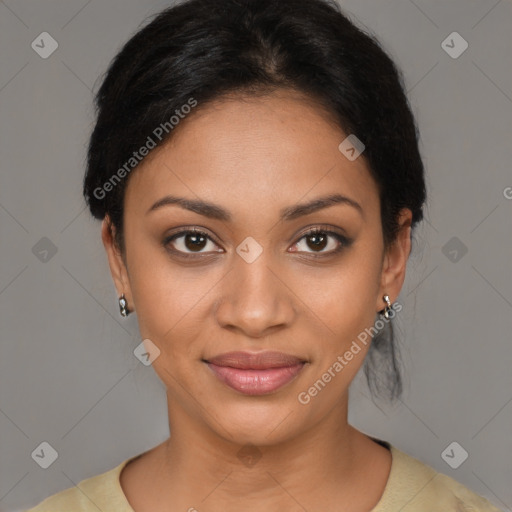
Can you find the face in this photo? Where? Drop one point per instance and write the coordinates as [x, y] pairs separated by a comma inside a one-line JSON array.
[[251, 260]]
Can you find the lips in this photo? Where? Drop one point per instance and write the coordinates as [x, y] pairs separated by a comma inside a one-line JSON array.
[[255, 361], [255, 373]]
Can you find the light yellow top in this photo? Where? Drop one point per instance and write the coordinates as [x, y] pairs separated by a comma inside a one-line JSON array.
[[411, 487]]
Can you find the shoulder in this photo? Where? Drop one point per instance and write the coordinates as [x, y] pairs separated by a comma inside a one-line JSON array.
[[415, 486], [99, 492]]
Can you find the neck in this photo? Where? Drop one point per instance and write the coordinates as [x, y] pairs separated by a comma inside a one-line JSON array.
[[270, 473]]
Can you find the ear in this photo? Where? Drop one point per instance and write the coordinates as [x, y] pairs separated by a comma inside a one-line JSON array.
[[116, 262], [395, 261]]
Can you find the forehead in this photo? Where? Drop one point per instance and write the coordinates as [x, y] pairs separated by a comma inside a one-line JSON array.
[[262, 152]]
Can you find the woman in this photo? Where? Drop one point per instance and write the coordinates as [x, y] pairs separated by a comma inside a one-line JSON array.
[[256, 168]]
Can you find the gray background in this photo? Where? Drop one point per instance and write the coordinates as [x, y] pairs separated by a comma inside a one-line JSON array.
[[67, 372]]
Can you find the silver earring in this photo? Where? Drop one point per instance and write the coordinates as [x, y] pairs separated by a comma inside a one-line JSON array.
[[387, 309], [123, 309]]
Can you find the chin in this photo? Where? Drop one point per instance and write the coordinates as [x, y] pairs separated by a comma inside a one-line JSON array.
[[263, 424]]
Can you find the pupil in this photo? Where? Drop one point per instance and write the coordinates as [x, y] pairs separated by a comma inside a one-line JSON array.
[[320, 240], [197, 241]]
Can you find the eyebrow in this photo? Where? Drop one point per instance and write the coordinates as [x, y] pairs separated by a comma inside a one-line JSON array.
[[289, 213]]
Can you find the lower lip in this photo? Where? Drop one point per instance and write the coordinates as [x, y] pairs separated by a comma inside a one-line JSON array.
[[256, 382]]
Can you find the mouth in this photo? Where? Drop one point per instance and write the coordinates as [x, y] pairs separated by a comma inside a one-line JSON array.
[[255, 373]]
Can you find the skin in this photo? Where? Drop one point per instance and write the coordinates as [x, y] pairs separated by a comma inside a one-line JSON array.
[[253, 157]]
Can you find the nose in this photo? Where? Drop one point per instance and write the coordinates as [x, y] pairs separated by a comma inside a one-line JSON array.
[[255, 299]]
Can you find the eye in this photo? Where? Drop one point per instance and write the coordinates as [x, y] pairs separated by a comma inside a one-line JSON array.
[[320, 239], [189, 242]]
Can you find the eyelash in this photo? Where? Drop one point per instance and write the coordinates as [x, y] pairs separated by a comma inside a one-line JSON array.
[[344, 242]]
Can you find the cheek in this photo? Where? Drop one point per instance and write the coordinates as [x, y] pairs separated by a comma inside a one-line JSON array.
[[166, 300], [156, 294], [168, 312], [348, 309], [172, 301], [343, 296], [345, 303]]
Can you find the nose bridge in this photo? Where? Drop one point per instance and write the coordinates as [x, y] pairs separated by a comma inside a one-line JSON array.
[[254, 298]]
